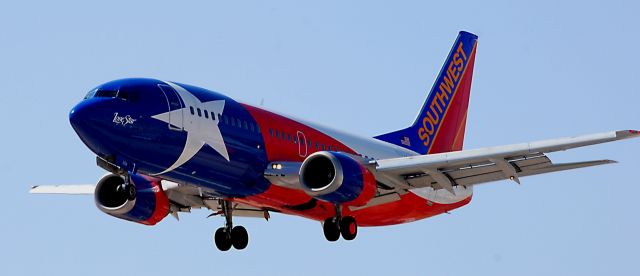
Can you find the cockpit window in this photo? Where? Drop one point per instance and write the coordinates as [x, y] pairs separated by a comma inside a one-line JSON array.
[[110, 93], [127, 95], [91, 93], [102, 93]]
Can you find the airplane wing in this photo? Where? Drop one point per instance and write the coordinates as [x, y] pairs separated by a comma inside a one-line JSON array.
[[182, 198], [476, 166]]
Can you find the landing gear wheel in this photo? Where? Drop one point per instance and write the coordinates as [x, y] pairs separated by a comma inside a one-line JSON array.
[[239, 237], [331, 230], [222, 239], [348, 228]]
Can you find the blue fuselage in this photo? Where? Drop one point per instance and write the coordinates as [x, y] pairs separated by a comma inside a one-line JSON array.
[[116, 121]]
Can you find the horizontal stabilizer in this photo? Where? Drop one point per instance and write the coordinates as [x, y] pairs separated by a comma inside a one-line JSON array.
[[567, 166], [63, 189]]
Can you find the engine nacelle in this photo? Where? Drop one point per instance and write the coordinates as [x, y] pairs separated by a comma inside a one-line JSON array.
[[337, 178], [142, 200]]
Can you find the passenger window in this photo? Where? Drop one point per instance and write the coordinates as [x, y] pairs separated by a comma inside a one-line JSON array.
[[317, 145], [206, 114], [199, 112], [226, 119], [277, 134], [252, 128], [192, 112], [213, 116], [233, 121], [271, 132], [245, 125]]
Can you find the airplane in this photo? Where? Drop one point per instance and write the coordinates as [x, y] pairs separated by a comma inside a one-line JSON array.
[[170, 147]]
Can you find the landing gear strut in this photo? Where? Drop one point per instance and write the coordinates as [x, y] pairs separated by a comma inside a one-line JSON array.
[[228, 236], [335, 226]]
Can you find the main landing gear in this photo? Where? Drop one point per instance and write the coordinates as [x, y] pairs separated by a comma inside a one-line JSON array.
[[228, 236], [335, 226]]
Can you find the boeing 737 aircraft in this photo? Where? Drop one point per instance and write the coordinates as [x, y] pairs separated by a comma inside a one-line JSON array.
[[171, 147]]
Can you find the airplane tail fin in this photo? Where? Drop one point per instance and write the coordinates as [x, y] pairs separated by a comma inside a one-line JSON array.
[[440, 125]]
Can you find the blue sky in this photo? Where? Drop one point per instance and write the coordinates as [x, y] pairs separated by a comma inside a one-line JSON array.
[[544, 69]]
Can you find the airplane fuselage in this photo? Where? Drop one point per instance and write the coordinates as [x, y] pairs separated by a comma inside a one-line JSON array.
[[202, 138]]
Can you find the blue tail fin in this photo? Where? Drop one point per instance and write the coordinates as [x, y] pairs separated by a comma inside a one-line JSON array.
[[440, 125]]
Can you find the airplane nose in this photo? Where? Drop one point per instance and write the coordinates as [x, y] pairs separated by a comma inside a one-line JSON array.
[[89, 119], [77, 116]]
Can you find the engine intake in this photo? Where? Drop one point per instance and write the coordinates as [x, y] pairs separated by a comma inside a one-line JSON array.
[[140, 200], [336, 177]]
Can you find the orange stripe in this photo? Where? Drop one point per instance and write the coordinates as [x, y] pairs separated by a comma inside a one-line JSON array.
[[460, 129]]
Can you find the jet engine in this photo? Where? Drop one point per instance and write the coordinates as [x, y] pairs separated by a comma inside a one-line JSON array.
[[337, 178], [137, 198]]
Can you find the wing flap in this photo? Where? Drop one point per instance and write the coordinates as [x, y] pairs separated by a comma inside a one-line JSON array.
[[484, 174]]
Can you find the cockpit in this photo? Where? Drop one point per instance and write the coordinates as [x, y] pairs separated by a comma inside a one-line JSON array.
[[99, 92]]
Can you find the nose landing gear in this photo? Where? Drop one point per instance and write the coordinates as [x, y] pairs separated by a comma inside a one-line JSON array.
[[228, 235]]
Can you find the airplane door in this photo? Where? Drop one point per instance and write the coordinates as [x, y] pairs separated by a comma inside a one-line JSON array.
[[302, 144], [173, 103]]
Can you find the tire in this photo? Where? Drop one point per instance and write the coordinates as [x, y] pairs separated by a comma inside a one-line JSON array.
[[330, 229], [222, 240], [348, 228], [239, 237]]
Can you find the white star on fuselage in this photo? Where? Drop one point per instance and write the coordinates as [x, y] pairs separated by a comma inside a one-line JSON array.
[[200, 130]]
